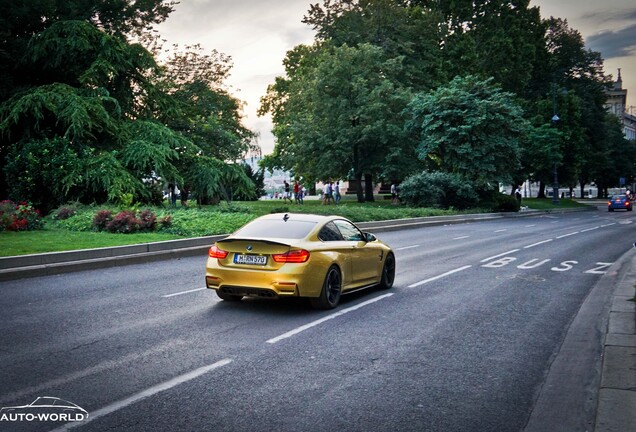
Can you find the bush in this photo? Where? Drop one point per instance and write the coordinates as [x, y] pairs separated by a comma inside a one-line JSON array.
[[148, 220], [19, 217], [164, 222], [124, 222], [64, 213], [438, 189], [80, 221], [101, 219], [506, 203]]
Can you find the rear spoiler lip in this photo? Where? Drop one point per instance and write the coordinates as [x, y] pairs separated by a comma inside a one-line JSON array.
[[232, 239]]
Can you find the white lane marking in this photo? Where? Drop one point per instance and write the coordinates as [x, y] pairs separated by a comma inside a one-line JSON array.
[[501, 230], [323, 319], [529, 226], [407, 247], [183, 292], [439, 276], [101, 367], [609, 224], [590, 229], [144, 394], [537, 243], [567, 235], [500, 255], [460, 238]]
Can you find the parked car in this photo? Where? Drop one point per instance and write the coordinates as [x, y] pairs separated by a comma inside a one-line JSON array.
[[298, 255], [620, 202]]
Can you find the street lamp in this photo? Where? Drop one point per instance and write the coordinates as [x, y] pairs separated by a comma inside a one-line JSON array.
[[555, 185]]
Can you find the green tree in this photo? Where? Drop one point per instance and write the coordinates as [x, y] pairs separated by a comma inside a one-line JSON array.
[[469, 127], [575, 87], [121, 122], [399, 29], [339, 111]]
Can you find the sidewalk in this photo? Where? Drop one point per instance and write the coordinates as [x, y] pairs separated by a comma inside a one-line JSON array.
[[616, 410], [610, 382]]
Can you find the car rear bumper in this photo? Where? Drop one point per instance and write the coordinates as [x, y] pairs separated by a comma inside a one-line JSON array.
[[290, 281], [274, 290]]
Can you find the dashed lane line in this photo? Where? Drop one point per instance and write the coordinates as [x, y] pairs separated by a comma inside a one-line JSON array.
[[537, 243], [326, 318], [115, 406], [183, 292], [567, 235], [439, 276]]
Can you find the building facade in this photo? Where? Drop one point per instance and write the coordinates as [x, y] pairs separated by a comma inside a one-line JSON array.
[[617, 104]]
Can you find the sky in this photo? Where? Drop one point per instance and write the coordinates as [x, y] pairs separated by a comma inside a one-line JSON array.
[[257, 35]]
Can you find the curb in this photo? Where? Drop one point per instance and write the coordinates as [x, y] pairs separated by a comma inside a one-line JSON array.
[[46, 264]]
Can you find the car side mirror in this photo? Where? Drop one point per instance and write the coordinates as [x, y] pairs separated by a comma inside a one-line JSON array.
[[369, 237]]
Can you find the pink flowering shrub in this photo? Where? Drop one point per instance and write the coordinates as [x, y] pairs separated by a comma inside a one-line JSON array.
[[19, 217], [101, 219], [124, 222]]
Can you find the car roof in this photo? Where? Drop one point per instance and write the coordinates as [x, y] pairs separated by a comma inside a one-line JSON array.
[[302, 217]]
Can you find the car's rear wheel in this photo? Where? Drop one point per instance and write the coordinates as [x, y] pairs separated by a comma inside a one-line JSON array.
[[331, 290], [610, 209], [388, 272], [228, 297]]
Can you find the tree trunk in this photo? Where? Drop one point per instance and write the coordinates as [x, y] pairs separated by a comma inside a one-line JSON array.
[[368, 188], [541, 190], [359, 191]]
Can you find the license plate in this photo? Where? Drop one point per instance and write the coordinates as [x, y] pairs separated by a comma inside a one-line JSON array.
[[250, 259]]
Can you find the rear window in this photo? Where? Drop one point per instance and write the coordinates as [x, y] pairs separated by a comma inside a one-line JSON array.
[[292, 229]]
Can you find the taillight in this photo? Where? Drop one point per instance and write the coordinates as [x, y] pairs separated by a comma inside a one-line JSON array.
[[293, 256], [215, 252]]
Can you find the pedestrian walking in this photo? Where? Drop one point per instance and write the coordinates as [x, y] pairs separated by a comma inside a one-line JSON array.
[[336, 193], [326, 199], [287, 193], [394, 194], [297, 192]]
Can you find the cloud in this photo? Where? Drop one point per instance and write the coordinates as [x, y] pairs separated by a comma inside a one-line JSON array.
[[605, 16], [614, 43]]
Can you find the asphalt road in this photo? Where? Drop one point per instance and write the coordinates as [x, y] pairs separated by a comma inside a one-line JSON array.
[[463, 342]]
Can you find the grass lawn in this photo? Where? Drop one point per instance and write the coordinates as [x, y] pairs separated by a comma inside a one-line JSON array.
[[56, 240], [546, 203], [221, 219]]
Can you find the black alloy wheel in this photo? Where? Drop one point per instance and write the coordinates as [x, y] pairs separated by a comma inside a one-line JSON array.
[[331, 290], [388, 272]]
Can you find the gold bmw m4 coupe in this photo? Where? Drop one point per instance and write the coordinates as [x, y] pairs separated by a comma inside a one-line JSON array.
[[298, 255]]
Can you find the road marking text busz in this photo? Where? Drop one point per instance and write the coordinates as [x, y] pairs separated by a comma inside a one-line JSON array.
[[601, 267]]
